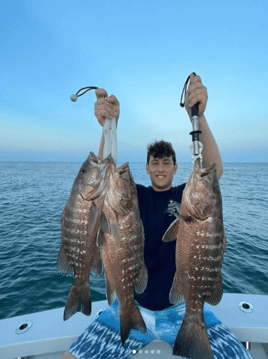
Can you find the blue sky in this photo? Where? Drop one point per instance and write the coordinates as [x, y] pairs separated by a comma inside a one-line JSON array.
[[140, 51]]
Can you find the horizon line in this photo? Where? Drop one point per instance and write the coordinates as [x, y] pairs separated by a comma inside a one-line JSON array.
[[117, 161]]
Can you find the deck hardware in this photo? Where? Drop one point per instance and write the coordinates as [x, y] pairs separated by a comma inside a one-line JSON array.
[[24, 327], [246, 307], [247, 345], [99, 312]]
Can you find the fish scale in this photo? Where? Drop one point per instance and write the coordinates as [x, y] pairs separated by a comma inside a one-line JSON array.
[[73, 247], [122, 249], [130, 243], [200, 246], [80, 225]]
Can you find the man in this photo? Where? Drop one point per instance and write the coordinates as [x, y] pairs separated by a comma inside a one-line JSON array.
[[159, 256]]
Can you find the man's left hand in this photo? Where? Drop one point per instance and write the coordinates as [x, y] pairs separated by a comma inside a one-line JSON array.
[[196, 92]]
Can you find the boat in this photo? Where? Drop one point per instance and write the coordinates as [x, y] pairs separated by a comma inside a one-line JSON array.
[[44, 335]]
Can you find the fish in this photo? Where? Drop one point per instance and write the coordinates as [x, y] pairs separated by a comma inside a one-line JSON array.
[[80, 225], [122, 249], [200, 247]]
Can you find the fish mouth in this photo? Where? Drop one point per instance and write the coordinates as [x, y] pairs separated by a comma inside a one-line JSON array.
[[206, 171], [123, 168], [99, 160]]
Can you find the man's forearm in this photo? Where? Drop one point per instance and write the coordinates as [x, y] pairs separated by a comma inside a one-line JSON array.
[[100, 154], [210, 151]]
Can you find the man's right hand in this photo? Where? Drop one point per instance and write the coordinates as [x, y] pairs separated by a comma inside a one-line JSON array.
[[106, 107]]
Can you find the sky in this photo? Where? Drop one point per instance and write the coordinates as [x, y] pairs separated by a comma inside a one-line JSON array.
[[142, 52]]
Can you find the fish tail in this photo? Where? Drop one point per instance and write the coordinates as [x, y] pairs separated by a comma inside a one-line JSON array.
[[192, 339], [78, 300], [131, 318]]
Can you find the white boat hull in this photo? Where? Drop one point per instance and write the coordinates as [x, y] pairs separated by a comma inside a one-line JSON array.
[[49, 336]]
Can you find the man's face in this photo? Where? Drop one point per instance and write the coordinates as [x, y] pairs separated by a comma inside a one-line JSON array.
[[161, 171]]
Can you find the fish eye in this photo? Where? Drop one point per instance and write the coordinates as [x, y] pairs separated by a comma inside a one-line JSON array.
[[82, 172]]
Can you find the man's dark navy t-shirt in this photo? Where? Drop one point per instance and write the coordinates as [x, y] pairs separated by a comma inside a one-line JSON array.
[[159, 256]]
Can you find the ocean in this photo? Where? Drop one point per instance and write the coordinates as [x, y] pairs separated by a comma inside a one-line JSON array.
[[32, 198]]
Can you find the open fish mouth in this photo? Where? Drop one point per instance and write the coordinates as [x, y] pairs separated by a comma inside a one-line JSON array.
[[99, 161], [206, 171]]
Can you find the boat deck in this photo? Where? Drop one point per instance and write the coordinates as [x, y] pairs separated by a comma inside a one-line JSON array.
[[49, 336]]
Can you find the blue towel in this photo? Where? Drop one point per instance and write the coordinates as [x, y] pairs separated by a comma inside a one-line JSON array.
[[101, 340]]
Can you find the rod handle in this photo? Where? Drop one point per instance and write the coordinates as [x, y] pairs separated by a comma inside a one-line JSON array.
[[194, 110]]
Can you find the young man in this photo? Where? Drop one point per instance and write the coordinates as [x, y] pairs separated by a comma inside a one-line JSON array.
[[101, 339]]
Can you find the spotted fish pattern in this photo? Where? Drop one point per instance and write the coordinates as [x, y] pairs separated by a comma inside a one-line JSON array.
[[80, 225], [200, 246], [122, 249]]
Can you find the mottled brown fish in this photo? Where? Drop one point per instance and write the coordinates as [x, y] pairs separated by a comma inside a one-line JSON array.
[[80, 225], [122, 249], [201, 243]]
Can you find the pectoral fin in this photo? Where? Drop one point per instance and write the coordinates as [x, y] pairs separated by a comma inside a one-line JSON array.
[[171, 232], [110, 292], [105, 224], [115, 233], [62, 262], [97, 268], [175, 296], [92, 219], [100, 238], [142, 280]]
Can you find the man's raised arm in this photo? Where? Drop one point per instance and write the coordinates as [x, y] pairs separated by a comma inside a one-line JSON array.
[[198, 92], [105, 107]]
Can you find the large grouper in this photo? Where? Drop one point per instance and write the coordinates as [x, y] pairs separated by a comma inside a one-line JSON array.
[[80, 225], [201, 243], [122, 248]]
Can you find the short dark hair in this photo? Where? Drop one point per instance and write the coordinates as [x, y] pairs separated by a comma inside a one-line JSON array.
[[161, 149]]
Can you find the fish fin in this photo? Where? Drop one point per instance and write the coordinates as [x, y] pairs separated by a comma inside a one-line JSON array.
[[115, 233], [110, 292], [62, 216], [217, 293], [174, 295], [142, 280], [100, 238], [93, 215], [130, 318], [224, 242], [79, 300], [171, 232], [192, 339], [62, 262], [105, 224], [97, 267]]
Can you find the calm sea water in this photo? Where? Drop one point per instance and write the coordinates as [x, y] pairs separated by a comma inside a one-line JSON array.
[[32, 198]]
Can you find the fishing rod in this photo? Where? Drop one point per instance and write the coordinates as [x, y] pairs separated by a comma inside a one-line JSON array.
[[108, 129], [196, 145]]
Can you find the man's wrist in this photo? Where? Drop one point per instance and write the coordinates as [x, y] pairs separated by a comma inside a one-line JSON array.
[[202, 119]]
